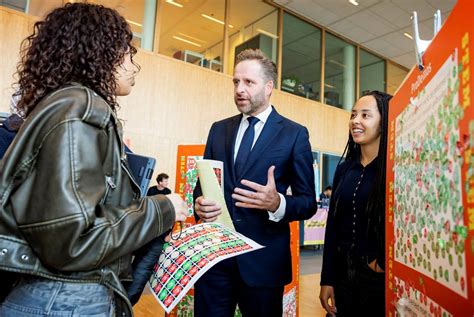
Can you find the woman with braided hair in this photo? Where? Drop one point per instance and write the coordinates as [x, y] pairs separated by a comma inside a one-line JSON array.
[[352, 278]]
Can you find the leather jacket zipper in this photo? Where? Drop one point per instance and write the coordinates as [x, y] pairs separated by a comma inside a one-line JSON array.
[[124, 166], [123, 156], [109, 184]]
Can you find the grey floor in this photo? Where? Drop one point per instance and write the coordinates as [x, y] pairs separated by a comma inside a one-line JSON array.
[[311, 259]]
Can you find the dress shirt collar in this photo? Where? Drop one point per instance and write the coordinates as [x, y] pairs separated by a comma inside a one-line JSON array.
[[262, 116]]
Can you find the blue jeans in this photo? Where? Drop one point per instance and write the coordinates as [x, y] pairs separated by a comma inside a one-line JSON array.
[[142, 267], [43, 297]]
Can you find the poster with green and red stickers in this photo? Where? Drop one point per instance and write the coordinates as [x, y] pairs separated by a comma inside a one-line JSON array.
[[186, 259], [430, 180], [186, 179]]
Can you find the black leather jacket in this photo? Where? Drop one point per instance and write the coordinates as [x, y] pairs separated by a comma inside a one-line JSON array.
[[70, 209]]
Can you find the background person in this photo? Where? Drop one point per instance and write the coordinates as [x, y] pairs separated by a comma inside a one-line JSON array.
[[161, 187], [8, 130], [325, 197], [10, 126]]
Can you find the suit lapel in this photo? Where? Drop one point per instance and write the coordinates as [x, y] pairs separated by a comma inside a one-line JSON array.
[[231, 134], [270, 132]]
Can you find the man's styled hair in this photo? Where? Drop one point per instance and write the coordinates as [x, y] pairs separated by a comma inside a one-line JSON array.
[[161, 177], [268, 66]]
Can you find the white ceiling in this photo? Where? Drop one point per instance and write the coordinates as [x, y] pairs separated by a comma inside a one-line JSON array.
[[375, 24]]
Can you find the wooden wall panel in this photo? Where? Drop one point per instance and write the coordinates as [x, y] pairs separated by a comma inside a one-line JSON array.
[[14, 27], [327, 125], [176, 103]]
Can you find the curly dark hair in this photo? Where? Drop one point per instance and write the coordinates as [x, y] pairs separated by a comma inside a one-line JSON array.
[[79, 42]]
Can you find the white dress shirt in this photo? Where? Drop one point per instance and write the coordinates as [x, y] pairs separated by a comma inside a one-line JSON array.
[[244, 124]]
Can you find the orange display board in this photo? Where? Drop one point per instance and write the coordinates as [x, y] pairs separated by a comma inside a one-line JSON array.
[[430, 180], [186, 173], [186, 178], [291, 294]]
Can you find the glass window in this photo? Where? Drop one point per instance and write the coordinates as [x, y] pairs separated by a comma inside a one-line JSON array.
[[34, 7], [329, 168], [254, 25], [193, 31], [395, 76], [140, 14], [301, 58], [19, 5], [371, 72], [339, 77]]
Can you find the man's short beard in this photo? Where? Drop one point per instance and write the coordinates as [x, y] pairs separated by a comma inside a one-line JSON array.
[[255, 105]]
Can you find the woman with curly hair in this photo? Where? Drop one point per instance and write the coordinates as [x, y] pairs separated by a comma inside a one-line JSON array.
[[352, 278], [71, 214]]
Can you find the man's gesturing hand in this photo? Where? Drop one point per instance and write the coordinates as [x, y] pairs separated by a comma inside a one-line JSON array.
[[263, 197]]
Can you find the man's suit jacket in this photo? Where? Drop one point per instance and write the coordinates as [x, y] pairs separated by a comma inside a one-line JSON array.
[[284, 144]]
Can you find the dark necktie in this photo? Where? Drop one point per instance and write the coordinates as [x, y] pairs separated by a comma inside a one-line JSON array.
[[245, 146]]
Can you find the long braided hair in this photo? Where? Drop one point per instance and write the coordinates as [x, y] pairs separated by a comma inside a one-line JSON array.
[[376, 202]]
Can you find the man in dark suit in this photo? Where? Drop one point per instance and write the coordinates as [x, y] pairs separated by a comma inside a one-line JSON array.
[[264, 153]]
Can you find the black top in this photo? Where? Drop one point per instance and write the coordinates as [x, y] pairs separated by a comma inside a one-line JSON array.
[[346, 228], [155, 191]]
